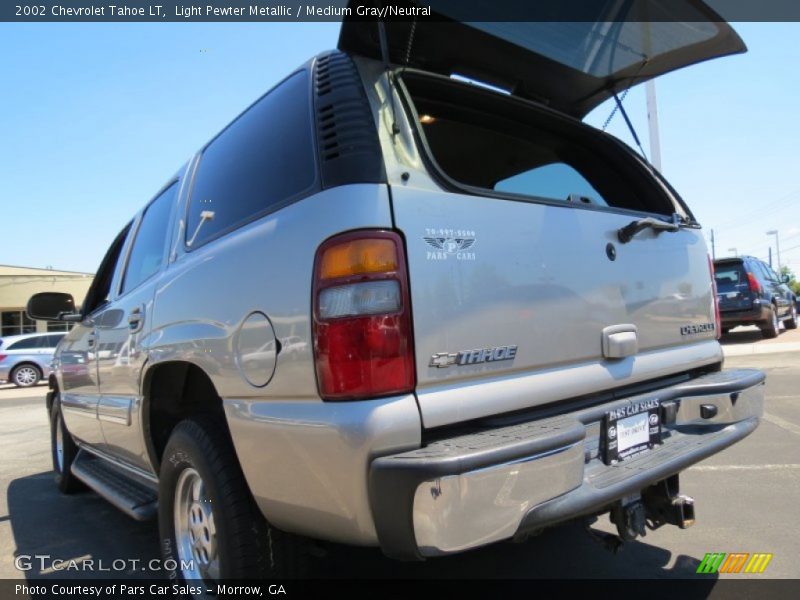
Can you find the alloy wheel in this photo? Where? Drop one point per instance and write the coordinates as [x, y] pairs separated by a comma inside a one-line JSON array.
[[26, 376], [195, 532]]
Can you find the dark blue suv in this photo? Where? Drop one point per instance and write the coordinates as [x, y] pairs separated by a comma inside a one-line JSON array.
[[751, 293]]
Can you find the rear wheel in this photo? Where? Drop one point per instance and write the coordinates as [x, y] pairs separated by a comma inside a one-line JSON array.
[[26, 375], [209, 522], [771, 328], [791, 322], [63, 450]]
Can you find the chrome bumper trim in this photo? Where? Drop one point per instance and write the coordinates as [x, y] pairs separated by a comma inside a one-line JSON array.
[[468, 491]]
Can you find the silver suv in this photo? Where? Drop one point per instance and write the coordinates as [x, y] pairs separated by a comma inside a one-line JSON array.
[[390, 307]]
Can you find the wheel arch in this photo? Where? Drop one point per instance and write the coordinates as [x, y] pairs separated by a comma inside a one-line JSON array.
[[174, 391]]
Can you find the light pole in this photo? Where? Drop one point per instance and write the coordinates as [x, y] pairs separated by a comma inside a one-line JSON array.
[[734, 251], [777, 247], [652, 121]]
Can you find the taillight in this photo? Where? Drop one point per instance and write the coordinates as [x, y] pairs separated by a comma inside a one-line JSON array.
[[753, 283], [717, 318], [3, 357], [363, 345]]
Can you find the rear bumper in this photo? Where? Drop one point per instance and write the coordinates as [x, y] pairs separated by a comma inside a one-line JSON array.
[[468, 491], [734, 318]]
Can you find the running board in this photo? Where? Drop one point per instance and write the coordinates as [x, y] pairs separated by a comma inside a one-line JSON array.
[[131, 497]]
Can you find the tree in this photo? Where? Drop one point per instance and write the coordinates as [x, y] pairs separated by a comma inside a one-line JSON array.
[[793, 283]]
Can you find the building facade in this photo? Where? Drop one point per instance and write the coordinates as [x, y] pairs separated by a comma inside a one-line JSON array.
[[18, 284]]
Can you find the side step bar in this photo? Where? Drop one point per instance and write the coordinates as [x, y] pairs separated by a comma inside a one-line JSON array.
[[134, 499]]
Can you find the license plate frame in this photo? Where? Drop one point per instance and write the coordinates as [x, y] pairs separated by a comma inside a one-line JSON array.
[[622, 427]]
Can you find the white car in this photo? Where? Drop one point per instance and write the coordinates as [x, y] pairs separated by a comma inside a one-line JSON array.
[[25, 359]]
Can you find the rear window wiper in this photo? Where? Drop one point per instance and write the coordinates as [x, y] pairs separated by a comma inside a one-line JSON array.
[[626, 234]]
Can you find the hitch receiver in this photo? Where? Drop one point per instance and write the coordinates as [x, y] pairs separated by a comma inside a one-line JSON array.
[[665, 504]]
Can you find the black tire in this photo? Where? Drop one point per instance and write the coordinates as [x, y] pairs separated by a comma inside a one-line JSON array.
[[247, 547], [791, 322], [771, 328], [26, 375], [62, 468]]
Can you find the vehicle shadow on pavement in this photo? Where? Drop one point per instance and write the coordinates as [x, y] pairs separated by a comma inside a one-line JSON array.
[[565, 552], [745, 336], [81, 526]]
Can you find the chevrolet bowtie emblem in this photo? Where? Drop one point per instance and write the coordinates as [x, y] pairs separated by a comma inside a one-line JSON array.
[[442, 360]]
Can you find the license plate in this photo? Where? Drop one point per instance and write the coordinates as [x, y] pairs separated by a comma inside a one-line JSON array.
[[630, 430]]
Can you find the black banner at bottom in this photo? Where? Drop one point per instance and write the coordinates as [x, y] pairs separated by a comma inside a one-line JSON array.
[[702, 587]]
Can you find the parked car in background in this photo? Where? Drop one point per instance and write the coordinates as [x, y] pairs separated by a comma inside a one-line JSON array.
[[751, 293], [25, 359]]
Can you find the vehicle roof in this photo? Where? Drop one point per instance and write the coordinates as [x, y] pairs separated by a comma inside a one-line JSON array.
[[736, 259]]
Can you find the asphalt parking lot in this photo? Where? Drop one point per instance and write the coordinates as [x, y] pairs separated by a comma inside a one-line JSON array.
[[747, 340], [746, 501]]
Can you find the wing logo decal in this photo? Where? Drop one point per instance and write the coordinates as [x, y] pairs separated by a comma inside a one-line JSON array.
[[444, 243]]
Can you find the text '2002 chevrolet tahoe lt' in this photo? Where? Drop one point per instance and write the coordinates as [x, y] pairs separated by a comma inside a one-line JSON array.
[[408, 300]]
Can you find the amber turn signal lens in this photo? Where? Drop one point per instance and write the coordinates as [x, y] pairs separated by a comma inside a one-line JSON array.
[[357, 257]]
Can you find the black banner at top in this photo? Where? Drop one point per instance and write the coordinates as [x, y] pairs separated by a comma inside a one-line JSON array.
[[336, 10]]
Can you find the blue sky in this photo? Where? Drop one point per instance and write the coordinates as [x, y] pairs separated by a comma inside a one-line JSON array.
[[95, 117]]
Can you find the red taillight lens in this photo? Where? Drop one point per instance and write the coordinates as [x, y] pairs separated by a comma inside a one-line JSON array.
[[3, 357], [753, 283], [717, 318], [363, 345]]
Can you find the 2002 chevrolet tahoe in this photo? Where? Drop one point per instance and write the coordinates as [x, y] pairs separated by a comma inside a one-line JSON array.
[[390, 307]]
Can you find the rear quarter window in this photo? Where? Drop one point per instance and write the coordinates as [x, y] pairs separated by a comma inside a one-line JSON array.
[[27, 344], [760, 270], [53, 340], [147, 253], [260, 162]]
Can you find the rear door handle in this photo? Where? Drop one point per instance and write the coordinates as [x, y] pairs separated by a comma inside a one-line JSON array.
[[90, 339], [136, 319]]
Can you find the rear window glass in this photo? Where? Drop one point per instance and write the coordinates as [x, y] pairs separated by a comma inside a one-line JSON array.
[[556, 180], [603, 48], [264, 158], [728, 277], [498, 144]]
